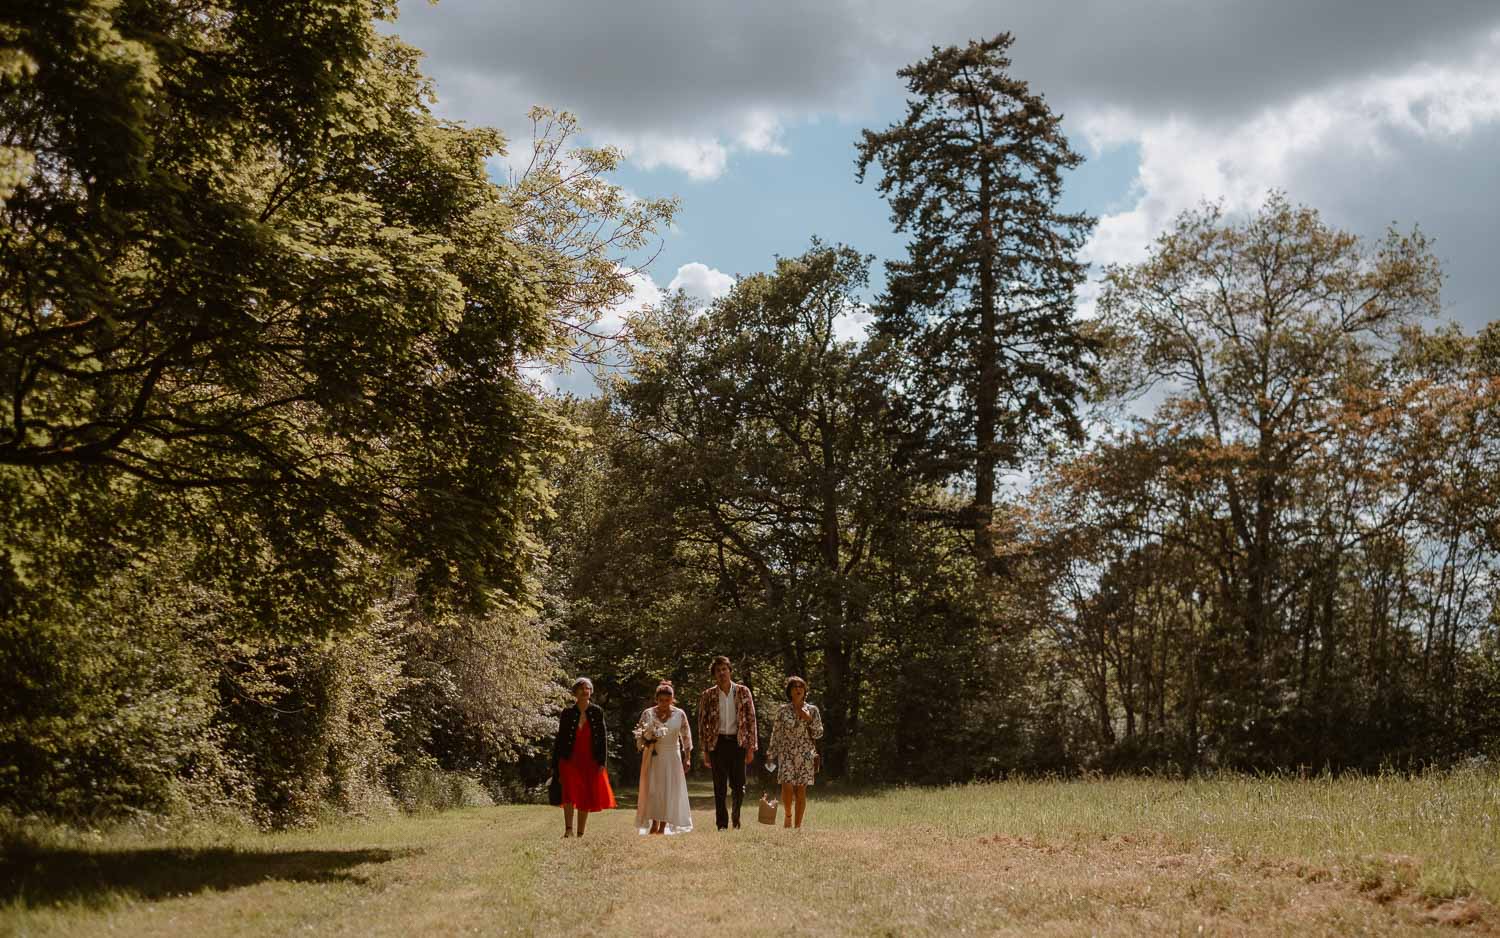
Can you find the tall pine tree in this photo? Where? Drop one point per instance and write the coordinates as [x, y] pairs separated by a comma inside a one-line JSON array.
[[984, 302]]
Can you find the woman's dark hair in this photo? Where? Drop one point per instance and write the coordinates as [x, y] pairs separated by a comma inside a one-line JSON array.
[[721, 659], [794, 681], [665, 687]]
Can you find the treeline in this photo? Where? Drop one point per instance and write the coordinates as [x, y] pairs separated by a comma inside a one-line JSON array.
[[1292, 559], [285, 526], [1286, 562], [1250, 521]]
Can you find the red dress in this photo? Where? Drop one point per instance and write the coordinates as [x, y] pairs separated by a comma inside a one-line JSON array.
[[585, 784]]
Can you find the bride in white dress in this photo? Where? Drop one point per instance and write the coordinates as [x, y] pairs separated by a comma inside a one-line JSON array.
[[666, 745]]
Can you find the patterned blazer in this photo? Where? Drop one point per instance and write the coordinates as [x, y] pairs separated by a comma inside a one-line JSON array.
[[708, 717]]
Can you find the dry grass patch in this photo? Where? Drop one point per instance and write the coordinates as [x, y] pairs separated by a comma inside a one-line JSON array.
[[1129, 857]]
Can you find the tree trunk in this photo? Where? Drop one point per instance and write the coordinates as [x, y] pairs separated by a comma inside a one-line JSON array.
[[838, 701], [988, 386]]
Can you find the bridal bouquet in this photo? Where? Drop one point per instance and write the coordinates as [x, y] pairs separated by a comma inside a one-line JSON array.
[[646, 735]]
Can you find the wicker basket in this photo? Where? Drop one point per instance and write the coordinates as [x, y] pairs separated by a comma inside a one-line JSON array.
[[767, 809]]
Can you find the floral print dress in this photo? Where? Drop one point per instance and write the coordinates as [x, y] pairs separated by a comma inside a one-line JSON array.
[[792, 748]]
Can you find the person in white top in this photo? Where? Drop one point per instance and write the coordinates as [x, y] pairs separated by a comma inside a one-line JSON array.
[[726, 723], [729, 723], [665, 742]]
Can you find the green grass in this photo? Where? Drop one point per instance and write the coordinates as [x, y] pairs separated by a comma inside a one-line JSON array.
[[1227, 856]]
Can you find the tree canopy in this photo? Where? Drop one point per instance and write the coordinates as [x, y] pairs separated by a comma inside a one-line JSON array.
[[250, 261]]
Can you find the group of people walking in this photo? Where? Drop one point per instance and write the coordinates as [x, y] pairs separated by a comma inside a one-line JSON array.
[[729, 737]]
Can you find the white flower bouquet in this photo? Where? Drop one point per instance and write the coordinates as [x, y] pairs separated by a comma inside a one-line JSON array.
[[646, 735]]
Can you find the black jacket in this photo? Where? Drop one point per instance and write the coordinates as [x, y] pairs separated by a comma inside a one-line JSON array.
[[567, 728]]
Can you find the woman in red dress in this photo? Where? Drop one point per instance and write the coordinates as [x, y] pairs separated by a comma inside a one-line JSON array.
[[578, 756]]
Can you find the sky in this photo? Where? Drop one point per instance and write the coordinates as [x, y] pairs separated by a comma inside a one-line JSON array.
[[1375, 112]]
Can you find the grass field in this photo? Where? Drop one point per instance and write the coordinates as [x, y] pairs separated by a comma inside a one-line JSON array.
[[1121, 857]]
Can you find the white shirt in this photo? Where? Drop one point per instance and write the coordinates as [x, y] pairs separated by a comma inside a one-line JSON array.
[[729, 715]]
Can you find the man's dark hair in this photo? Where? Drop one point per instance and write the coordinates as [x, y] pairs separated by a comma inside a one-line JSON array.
[[721, 659]]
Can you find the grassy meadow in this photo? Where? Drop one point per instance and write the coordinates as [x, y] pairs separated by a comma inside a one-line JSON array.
[[1231, 856]]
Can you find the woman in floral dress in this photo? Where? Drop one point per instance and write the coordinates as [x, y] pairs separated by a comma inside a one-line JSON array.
[[792, 749]]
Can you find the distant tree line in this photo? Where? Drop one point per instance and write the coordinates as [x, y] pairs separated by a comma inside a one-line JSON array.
[[1252, 524], [285, 526]]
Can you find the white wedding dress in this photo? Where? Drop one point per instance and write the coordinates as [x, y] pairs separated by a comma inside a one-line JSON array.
[[663, 792]]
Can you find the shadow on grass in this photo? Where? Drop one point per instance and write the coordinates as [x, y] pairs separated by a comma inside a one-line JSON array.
[[40, 876], [701, 791]]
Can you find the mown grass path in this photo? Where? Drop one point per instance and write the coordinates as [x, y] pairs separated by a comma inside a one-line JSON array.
[[1241, 856]]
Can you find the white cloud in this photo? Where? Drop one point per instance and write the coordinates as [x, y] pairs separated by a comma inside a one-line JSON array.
[[1348, 105], [682, 88], [699, 76], [850, 327], [700, 158], [1360, 128], [644, 294], [701, 282], [760, 131]]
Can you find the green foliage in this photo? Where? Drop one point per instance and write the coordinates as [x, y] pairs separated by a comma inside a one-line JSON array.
[[251, 263], [270, 472], [284, 529], [107, 709], [425, 788], [306, 723], [746, 494], [1287, 563], [477, 692], [767, 431], [586, 234]]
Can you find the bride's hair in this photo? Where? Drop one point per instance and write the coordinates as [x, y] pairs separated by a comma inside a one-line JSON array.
[[664, 686]]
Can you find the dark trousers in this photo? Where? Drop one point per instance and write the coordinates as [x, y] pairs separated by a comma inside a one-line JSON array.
[[729, 770]]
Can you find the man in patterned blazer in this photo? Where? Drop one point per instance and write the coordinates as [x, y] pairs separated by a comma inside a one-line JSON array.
[[726, 724]]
